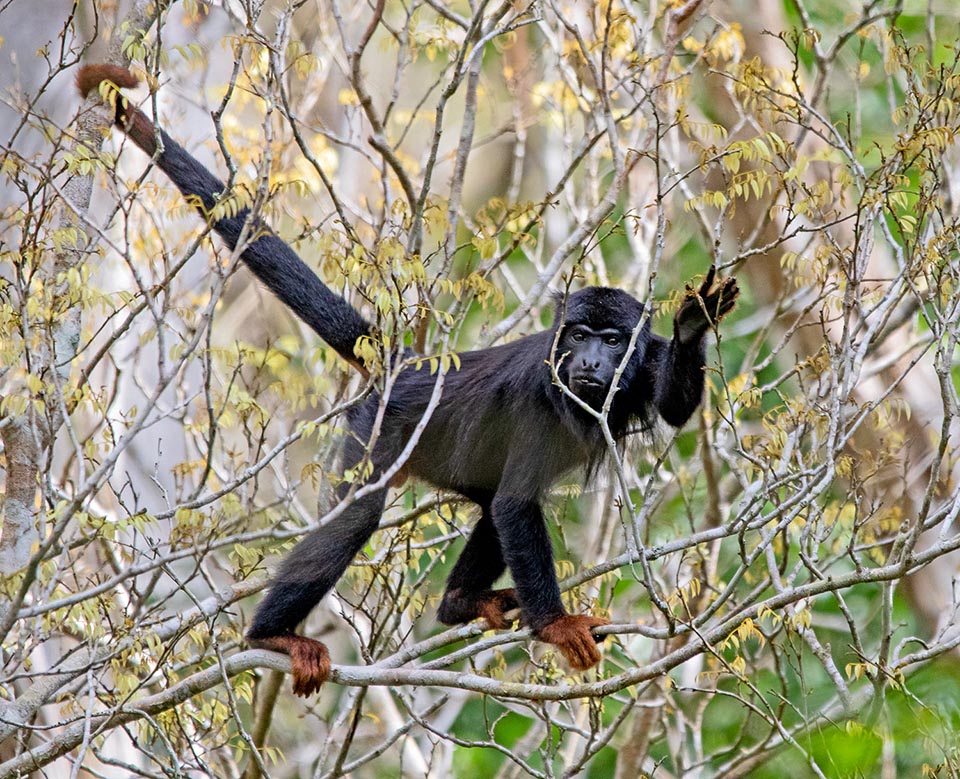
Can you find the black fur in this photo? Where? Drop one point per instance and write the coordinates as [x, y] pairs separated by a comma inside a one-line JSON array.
[[502, 434], [270, 259]]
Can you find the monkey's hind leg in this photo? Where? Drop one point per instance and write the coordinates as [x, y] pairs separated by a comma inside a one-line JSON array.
[[308, 573], [468, 595]]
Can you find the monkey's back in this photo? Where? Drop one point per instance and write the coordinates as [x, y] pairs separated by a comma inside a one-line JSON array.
[[499, 403]]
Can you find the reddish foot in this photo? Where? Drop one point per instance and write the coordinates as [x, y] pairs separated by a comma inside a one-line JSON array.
[[571, 635], [494, 605], [310, 660], [491, 605]]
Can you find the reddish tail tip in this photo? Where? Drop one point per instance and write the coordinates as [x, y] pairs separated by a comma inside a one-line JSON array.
[[90, 76]]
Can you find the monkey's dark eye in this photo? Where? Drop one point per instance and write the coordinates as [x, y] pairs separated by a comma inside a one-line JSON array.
[[577, 338], [612, 340]]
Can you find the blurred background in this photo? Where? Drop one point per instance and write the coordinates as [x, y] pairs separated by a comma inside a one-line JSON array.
[[781, 574]]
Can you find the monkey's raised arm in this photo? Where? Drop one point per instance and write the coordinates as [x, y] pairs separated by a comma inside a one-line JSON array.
[[675, 368], [271, 260]]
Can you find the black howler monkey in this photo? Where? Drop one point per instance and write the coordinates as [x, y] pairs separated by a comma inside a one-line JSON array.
[[501, 435]]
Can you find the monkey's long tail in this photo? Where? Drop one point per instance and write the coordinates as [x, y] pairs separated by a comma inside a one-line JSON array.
[[270, 259]]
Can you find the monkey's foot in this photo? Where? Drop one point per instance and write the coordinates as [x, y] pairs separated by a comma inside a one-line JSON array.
[[493, 607], [458, 607], [571, 635], [310, 660]]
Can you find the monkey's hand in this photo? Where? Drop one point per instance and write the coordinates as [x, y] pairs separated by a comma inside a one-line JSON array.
[[309, 659], [705, 307], [571, 635], [458, 607]]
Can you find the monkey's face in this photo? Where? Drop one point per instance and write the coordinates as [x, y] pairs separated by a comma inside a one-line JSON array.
[[588, 359]]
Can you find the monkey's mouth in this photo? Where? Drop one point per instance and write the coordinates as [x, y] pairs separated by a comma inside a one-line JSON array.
[[587, 385]]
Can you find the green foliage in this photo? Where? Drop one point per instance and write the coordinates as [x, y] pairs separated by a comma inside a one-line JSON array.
[[779, 572]]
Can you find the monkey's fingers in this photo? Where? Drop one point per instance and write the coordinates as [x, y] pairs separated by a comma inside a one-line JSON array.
[[707, 282], [731, 293], [311, 667], [494, 607], [727, 297], [459, 607], [309, 660], [721, 300], [571, 635]]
